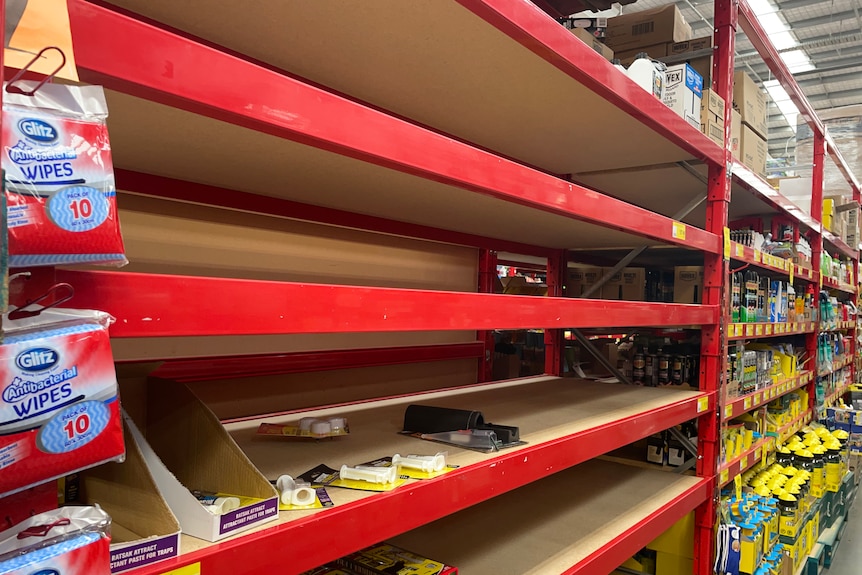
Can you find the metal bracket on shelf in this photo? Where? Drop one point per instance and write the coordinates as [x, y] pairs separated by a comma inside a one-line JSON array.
[[590, 347], [689, 463], [684, 441]]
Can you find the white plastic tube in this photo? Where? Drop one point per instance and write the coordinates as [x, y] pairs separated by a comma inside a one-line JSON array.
[[427, 463], [382, 475], [293, 493], [222, 505]]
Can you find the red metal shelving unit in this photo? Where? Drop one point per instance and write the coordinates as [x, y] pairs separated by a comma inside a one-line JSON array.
[[355, 156]]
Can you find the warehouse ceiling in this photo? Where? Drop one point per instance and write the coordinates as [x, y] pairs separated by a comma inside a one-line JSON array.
[[824, 43]]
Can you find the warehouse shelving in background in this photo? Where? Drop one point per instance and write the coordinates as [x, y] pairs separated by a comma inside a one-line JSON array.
[[221, 123]]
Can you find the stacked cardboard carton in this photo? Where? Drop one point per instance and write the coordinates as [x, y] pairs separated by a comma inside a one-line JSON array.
[[649, 31], [750, 101], [712, 116]]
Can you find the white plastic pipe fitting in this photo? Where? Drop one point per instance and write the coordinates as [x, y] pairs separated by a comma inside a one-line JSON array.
[[293, 493], [426, 463], [380, 475]]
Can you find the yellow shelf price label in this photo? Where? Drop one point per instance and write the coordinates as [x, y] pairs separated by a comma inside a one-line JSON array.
[[726, 243], [790, 271], [757, 256], [679, 230], [746, 403], [193, 569], [728, 411], [740, 251], [749, 330], [758, 329], [769, 329], [722, 477], [756, 398], [743, 463], [702, 404]]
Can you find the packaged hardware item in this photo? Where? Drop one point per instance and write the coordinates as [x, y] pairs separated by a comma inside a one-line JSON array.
[[389, 559], [59, 408], [67, 541], [60, 192]]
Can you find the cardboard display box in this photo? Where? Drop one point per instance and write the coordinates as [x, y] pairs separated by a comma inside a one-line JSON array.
[[683, 92], [186, 448], [582, 278], [593, 42], [713, 130], [647, 28], [143, 528], [753, 150], [712, 116], [688, 284], [628, 284], [750, 100]]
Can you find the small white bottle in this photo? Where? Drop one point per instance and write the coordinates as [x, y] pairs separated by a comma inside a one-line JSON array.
[[648, 74]]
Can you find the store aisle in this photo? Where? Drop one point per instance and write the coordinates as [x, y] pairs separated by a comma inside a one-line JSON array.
[[848, 560]]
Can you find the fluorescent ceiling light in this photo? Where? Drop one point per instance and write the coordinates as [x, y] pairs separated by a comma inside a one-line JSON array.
[[797, 61], [782, 102], [783, 40], [761, 7]]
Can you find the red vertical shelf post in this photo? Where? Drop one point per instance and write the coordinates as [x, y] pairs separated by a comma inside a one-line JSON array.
[[715, 278], [556, 280], [487, 281]]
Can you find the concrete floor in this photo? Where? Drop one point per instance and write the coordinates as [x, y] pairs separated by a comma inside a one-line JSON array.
[[848, 558]]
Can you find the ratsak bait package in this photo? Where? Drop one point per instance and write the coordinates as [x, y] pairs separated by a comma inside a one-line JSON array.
[[59, 403], [60, 192]]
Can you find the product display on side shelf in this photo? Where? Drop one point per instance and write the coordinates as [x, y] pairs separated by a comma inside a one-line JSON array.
[[782, 504]]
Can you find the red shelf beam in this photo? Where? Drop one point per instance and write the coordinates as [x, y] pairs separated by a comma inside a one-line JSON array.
[[332, 533], [130, 56], [740, 405], [206, 368], [532, 28], [151, 305]]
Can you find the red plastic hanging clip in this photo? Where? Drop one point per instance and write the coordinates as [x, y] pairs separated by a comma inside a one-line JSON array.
[[56, 295], [12, 89], [42, 530]]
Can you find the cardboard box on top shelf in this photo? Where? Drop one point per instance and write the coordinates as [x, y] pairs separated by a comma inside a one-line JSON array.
[[580, 279], [688, 284], [753, 150], [712, 116], [626, 57], [687, 46], [712, 106], [628, 284], [593, 42], [750, 100], [683, 91], [736, 135], [143, 528], [647, 28], [186, 448]]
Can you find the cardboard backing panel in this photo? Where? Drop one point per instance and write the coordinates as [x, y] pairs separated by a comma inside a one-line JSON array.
[[245, 397]]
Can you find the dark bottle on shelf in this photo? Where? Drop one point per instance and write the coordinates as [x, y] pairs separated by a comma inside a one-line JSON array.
[[663, 372], [650, 369], [676, 372], [639, 366]]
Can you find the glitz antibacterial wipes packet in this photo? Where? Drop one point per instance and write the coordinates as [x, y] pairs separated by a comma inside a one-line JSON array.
[[59, 404], [59, 177]]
